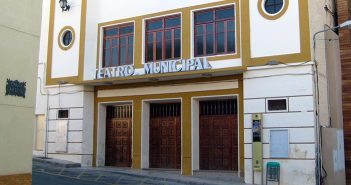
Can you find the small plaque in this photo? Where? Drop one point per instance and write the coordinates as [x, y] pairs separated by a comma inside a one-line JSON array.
[[15, 88]]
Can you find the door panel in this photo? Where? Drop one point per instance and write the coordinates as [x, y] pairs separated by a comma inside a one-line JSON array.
[[218, 137], [165, 145], [118, 137], [165, 137]]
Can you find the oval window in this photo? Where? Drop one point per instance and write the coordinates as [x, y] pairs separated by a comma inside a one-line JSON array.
[[272, 9], [273, 6], [67, 38]]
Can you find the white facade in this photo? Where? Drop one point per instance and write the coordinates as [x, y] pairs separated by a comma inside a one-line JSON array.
[[244, 75], [295, 83]]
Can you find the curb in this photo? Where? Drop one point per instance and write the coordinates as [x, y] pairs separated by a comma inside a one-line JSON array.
[[188, 182], [57, 163]]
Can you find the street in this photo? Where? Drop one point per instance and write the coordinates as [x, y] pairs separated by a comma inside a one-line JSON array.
[[40, 178], [48, 174]]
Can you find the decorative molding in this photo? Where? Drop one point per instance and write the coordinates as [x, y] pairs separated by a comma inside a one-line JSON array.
[[60, 38], [266, 15]]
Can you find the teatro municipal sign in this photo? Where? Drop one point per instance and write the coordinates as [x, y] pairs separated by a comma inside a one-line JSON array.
[[161, 67]]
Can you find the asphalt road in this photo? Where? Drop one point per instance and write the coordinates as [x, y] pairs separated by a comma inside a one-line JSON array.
[[48, 174], [40, 178]]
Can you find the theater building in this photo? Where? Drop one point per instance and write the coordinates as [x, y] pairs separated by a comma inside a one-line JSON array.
[[189, 85]]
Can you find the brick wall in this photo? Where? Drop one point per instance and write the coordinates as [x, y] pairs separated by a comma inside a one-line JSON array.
[[345, 47]]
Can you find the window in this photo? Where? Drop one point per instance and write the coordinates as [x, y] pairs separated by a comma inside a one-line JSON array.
[[277, 104], [118, 45], [273, 6], [163, 38], [214, 31], [67, 38]]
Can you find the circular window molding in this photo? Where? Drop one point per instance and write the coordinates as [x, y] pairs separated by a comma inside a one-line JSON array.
[[269, 16], [66, 38]]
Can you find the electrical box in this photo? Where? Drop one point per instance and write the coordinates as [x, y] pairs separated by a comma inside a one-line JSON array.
[[257, 142]]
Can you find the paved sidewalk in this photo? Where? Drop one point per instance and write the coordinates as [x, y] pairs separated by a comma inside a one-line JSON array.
[[56, 162], [126, 176]]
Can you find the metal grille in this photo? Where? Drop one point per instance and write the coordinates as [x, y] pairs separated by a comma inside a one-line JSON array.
[[120, 111], [165, 110], [218, 107]]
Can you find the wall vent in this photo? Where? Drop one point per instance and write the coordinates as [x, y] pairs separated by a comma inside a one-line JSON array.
[[63, 114], [277, 104]]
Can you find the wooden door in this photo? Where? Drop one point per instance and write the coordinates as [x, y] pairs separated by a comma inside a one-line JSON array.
[[218, 135], [165, 137], [118, 136]]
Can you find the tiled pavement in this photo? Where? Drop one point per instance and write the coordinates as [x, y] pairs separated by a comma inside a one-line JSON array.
[[127, 176]]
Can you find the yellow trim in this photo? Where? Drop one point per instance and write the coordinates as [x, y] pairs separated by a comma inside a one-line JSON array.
[[60, 38], [95, 127], [138, 43], [83, 19], [73, 79], [241, 127], [186, 136], [136, 140], [245, 28], [186, 17], [98, 48], [266, 15], [305, 49], [186, 117], [186, 34], [50, 42]]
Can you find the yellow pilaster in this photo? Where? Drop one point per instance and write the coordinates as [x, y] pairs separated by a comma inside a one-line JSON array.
[[186, 136], [186, 33], [245, 28], [136, 159], [241, 127], [138, 47]]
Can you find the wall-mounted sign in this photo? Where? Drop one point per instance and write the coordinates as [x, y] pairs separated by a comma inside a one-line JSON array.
[[15, 88], [162, 67], [112, 72]]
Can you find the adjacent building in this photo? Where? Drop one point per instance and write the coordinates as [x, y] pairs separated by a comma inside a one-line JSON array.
[[344, 8], [190, 85], [19, 49]]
